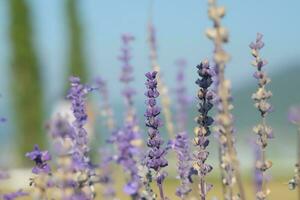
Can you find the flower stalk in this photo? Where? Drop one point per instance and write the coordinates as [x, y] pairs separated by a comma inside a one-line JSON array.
[[202, 131], [229, 163], [261, 97], [155, 159]]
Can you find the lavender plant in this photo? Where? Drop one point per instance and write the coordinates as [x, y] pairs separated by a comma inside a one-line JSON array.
[[181, 143], [165, 99], [229, 163], [105, 108], [106, 179], [181, 146], [63, 141], [42, 171], [106, 155], [127, 139], [261, 97], [204, 121], [14, 195], [182, 97], [156, 155], [294, 118], [80, 152]]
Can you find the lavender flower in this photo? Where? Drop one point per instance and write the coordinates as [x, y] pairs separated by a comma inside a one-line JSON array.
[[261, 97], [41, 159], [156, 155], [106, 109], [182, 98], [15, 195], [77, 95], [63, 136], [294, 117], [60, 128], [128, 137], [80, 158], [106, 178], [165, 99], [106, 174], [204, 122], [127, 154], [258, 176], [182, 149], [127, 69]]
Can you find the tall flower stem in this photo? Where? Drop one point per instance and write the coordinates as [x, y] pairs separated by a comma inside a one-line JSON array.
[[261, 97], [202, 131], [155, 158], [182, 99], [162, 87], [229, 162]]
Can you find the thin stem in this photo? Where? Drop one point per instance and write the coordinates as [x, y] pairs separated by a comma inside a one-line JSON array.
[[202, 189], [161, 191]]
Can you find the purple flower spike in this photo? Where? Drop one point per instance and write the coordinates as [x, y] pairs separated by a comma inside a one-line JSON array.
[[182, 149], [127, 69], [183, 99], [127, 139], [40, 158], [294, 115], [15, 195], [77, 95], [156, 155], [204, 121]]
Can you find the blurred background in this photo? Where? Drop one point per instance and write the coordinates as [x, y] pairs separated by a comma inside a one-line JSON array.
[[42, 43]]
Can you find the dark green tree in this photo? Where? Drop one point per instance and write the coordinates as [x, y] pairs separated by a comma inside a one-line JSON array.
[[26, 79], [76, 60]]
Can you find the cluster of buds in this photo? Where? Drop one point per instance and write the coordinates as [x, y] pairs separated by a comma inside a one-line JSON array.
[[156, 156], [202, 131], [261, 97]]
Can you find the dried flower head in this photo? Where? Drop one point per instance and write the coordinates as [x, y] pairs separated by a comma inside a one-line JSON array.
[[229, 164], [261, 97]]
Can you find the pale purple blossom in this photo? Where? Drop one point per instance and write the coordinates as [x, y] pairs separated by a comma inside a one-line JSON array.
[[41, 159], [182, 148], [182, 97], [78, 94]]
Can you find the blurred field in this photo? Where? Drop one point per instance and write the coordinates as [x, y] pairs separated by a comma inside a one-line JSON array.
[[278, 186]]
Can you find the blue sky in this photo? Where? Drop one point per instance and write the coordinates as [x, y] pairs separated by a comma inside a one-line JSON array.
[[180, 30]]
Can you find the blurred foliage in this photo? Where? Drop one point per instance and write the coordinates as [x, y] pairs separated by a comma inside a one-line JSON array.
[[26, 79], [76, 59]]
